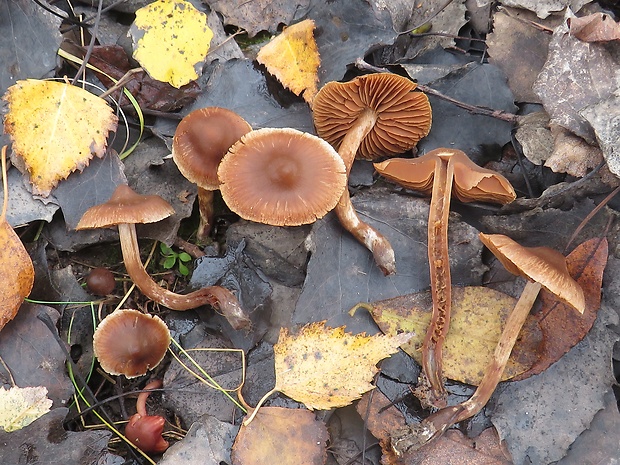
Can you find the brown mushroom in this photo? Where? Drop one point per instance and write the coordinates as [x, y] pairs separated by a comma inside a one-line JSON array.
[[543, 267], [129, 342], [144, 430], [440, 172], [281, 177], [100, 281], [369, 117], [200, 141], [126, 208]]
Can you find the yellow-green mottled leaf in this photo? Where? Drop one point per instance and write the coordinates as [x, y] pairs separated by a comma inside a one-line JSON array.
[[21, 406]]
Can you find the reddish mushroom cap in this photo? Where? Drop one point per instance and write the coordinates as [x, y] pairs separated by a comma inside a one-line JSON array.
[[129, 342], [201, 139], [126, 206], [282, 177], [403, 115]]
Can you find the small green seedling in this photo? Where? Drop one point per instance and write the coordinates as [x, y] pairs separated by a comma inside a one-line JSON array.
[[172, 258]]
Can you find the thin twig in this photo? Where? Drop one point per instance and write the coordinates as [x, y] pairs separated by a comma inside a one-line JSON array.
[[427, 20]]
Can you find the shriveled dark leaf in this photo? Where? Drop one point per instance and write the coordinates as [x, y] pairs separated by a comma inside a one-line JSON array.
[[544, 8], [23, 208], [46, 441]]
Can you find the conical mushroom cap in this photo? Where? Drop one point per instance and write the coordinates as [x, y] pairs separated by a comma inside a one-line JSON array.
[[281, 177], [540, 264], [403, 115], [471, 182], [129, 342], [201, 140], [126, 206]]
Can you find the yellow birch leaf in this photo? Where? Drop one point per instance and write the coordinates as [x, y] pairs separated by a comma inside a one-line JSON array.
[[293, 58], [326, 368], [477, 318], [171, 40], [21, 406], [16, 273], [55, 129]]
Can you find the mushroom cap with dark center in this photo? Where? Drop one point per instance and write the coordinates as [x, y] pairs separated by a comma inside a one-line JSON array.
[[403, 115], [126, 206], [281, 177], [129, 342], [200, 141], [471, 182], [540, 264]]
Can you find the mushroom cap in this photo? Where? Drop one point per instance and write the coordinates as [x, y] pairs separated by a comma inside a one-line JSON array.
[[281, 177], [403, 116], [129, 342], [126, 206], [540, 264], [200, 141], [471, 182]]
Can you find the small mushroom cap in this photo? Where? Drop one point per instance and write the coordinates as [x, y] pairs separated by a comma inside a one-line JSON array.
[[403, 115], [126, 206], [471, 182], [200, 141], [540, 264], [129, 342], [281, 177]]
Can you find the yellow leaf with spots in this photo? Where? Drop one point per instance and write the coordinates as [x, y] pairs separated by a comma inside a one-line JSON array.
[[293, 58], [55, 129], [326, 368], [21, 406], [171, 41]]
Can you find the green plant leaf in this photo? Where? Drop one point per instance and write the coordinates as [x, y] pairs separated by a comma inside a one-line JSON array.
[[185, 257], [183, 269], [169, 262], [167, 251]]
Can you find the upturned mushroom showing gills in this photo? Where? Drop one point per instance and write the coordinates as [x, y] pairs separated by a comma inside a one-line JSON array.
[[440, 172], [128, 342], [200, 141], [281, 177], [543, 267], [126, 208], [372, 116]]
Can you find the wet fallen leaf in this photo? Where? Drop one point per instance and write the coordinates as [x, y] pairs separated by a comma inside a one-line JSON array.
[[171, 40], [16, 273], [293, 436], [21, 406], [56, 128], [325, 367], [293, 58], [561, 327], [544, 8], [478, 316], [597, 27]]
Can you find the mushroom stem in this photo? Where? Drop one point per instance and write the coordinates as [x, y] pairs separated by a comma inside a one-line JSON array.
[[216, 296], [205, 207], [364, 233], [441, 288], [437, 423]]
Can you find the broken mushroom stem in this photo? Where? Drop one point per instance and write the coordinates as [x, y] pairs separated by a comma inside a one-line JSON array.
[[441, 288], [143, 430], [374, 241], [436, 424], [219, 298]]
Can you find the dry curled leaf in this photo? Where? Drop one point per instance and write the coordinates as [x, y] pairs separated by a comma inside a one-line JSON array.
[[597, 27], [325, 367], [293, 58], [171, 40], [56, 128], [21, 406], [294, 436]]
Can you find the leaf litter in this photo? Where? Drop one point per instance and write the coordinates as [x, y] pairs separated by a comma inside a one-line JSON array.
[[339, 273]]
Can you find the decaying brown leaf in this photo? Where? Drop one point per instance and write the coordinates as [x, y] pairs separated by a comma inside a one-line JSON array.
[[562, 328], [597, 27], [477, 320], [56, 128], [282, 435], [293, 58], [571, 154], [325, 367]]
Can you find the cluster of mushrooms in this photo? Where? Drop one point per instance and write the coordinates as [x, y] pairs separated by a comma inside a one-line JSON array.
[[285, 177]]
